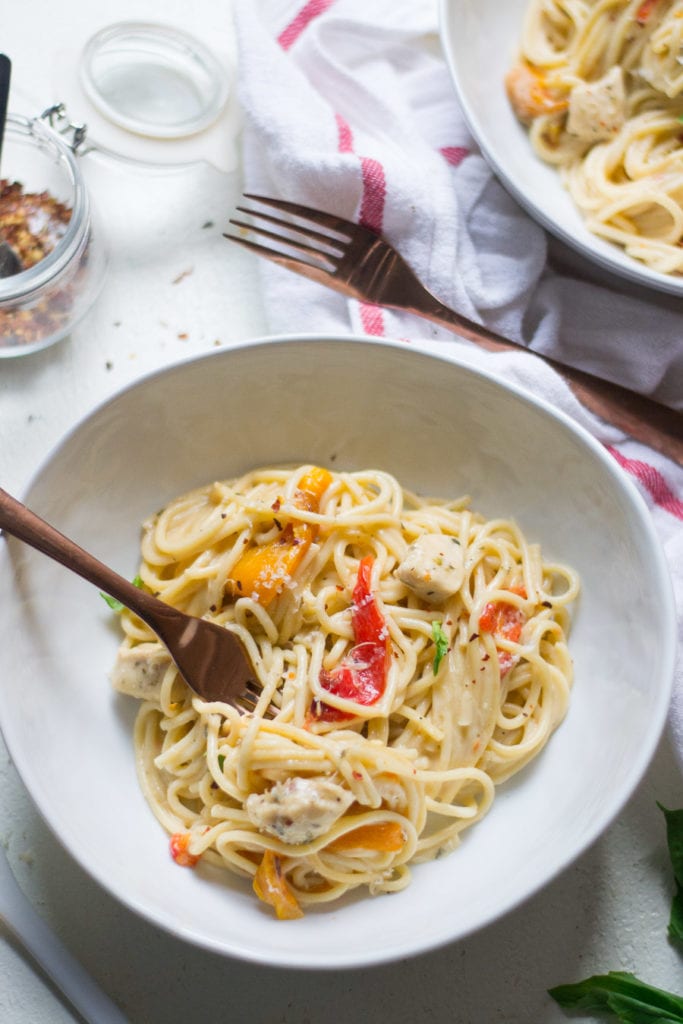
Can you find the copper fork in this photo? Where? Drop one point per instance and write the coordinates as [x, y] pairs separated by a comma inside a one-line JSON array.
[[357, 262], [211, 659]]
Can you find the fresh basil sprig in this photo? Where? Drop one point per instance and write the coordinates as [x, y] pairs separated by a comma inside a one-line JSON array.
[[632, 1000], [674, 837], [441, 643], [117, 606], [622, 993]]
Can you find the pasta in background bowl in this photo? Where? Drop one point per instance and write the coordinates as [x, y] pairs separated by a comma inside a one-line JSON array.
[[576, 191], [440, 429]]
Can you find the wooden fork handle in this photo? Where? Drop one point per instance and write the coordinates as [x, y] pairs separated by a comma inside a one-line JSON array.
[[650, 422]]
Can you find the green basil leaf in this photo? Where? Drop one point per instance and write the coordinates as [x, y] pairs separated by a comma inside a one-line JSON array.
[[117, 606], [441, 642], [622, 993], [674, 838]]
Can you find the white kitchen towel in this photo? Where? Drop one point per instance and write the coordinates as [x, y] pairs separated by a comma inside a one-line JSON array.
[[349, 108]]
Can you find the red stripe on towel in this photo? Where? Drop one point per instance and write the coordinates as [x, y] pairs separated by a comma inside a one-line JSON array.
[[344, 135], [653, 482], [374, 194], [301, 21], [371, 213], [454, 155]]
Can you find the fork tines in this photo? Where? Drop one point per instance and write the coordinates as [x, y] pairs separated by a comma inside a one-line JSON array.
[[249, 697], [325, 220], [325, 249]]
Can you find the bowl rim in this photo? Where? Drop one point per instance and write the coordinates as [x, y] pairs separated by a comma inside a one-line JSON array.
[[638, 766]]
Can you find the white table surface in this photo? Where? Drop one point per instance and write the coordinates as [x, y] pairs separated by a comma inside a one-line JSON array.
[[609, 911]]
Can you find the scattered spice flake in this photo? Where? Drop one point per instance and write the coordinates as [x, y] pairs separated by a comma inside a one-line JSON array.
[[183, 336], [207, 224], [182, 275], [109, 365]]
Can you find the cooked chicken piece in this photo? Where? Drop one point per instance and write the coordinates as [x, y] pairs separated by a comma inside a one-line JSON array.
[[433, 567], [597, 110], [139, 671], [391, 792], [298, 810]]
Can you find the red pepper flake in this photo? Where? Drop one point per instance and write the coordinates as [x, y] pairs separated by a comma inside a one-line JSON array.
[[33, 224], [645, 10]]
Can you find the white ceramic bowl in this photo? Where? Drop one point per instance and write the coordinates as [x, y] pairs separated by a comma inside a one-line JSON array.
[[439, 427], [480, 39]]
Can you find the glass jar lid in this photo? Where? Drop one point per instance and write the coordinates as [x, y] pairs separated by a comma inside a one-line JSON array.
[[153, 80]]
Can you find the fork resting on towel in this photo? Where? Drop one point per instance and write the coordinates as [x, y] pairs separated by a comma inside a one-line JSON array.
[[355, 261]]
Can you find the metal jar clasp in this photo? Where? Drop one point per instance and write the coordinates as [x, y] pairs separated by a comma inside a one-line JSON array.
[[57, 118]]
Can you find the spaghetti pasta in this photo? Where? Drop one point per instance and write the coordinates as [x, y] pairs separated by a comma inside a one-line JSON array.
[[600, 85], [411, 656]]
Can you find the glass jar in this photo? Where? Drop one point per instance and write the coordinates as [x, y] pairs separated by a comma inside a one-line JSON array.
[[42, 303]]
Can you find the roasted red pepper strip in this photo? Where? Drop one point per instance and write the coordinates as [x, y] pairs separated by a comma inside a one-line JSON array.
[[362, 675], [505, 621]]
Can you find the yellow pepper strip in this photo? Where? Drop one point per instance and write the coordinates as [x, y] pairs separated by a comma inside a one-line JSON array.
[[263, 570], [384, 836], [271, 886]]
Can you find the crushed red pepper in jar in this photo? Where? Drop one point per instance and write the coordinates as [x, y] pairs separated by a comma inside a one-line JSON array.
[[33, 224]]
